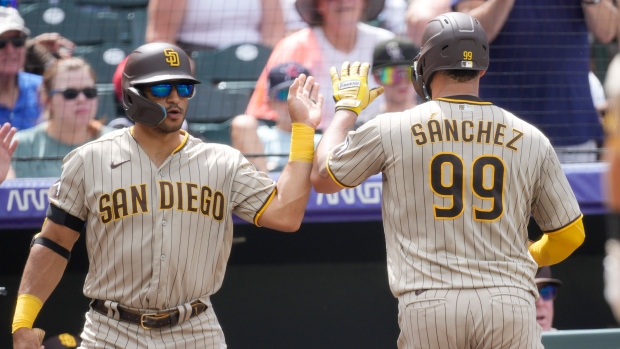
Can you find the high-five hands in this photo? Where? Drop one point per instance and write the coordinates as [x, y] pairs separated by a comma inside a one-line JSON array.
[[351, 88], [305, 101]]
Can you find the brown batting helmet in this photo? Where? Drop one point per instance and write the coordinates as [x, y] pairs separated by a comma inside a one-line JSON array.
[[146, 65], [451, 41]]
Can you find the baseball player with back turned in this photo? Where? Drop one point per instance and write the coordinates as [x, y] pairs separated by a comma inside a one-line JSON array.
[[461, 178], [157, 205]]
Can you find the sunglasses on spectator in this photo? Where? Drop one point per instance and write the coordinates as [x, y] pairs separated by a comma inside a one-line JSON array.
[[282, 95], [184, 90], [16, 41], [392, 75], [548, 292], [72, 93]]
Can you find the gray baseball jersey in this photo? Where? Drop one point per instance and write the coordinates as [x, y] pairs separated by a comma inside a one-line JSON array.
[[460, 181], [160, 237]]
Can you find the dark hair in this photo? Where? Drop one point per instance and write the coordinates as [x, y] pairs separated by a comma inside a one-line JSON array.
[[462, 75]]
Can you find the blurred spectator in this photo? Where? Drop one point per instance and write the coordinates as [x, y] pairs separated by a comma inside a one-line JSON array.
[[336, 34], [292, 19], [198, 25], [598, 94], [7, 148], [69, 95], [419, 13], [391, 68], [44, 49], [541, 65], [62, 341], [18, 90], [611, 263], [276, 139], [392, 17], [547, 290]]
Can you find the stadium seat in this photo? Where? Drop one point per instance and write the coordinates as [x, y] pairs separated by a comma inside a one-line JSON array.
[[104, 58], [235, 67], [228, 78], [82, 26], [115, 3], [211, 110]]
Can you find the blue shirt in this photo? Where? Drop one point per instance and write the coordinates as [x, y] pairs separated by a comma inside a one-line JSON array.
[[27, 110], [539, 70]]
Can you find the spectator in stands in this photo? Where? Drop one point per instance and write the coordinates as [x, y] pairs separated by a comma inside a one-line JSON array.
[[392, 17], [611, 263], [391, 68], [69, 95], [198, 25], [547, 290], [7, 148], [419, 13], [62, 341], [18, 90], [274, 140], [335, 34], [44, 49], [541, 65]]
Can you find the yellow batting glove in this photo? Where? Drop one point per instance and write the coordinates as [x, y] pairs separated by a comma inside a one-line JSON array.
[[351, 87]]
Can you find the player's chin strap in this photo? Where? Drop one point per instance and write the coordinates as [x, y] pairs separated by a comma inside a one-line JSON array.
[[51, 245]]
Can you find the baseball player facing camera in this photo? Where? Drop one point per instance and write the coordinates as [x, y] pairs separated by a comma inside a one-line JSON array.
[[157, 205], [461, 178]]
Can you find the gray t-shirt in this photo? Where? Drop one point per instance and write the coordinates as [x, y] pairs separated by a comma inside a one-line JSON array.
[[35, 143]]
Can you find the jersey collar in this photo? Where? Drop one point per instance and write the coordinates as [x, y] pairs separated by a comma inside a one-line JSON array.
[[464, 99]]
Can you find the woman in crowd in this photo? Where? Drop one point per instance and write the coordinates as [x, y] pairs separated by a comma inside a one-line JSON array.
[[69, 98]]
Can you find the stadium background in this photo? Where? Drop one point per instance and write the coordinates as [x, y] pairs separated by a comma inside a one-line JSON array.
[[323, 287]]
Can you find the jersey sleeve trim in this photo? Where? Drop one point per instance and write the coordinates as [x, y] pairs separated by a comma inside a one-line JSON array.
[[331, 174], [61, 217], [566, 227], [262, 209]]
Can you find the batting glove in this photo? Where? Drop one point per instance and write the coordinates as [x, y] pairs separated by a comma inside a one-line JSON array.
[[351, 87]]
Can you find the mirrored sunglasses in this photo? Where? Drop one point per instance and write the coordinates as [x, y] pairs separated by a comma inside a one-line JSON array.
[[548, 292], [282, 95], [392, 75], [15, 41], [72, 93], [184, 90]]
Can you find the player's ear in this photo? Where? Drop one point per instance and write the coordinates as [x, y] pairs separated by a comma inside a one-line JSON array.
[[482, 72]]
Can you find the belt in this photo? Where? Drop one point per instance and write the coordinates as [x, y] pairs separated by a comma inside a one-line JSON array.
[[149, 321]]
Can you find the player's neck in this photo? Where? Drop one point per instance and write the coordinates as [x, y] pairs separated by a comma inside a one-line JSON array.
[[445, 87], [158, 146]]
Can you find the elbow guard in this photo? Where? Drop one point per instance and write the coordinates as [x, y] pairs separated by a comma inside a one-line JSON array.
[[556, 246]]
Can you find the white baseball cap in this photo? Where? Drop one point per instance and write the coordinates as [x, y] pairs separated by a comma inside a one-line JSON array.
[[11, 20]]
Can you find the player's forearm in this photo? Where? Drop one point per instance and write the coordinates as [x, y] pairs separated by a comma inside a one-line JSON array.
[[287, 208], [42, 273], [336, 133], [492, 14], [555, 247], [602, 20]]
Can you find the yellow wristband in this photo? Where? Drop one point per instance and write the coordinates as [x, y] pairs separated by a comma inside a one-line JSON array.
[[26, 311], [302, 143]]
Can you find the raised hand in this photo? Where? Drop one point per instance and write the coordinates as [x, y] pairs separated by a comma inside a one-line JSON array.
[[351, 87], [7, 147], [305, 101]]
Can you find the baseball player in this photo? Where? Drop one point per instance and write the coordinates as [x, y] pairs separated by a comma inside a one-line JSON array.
[[461, 178], [157, 205]]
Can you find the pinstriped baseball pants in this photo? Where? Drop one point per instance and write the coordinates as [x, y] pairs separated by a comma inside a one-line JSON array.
[[484, 318]]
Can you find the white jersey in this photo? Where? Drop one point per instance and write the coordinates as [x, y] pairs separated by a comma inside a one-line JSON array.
[[158, 237], [460, 181]]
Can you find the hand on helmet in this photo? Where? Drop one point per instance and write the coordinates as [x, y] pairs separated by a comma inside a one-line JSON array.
[[351, 87]]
